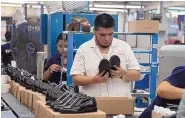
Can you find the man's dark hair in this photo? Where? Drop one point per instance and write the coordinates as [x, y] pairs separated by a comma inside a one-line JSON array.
[[103, 20], [8, 36], [60, 37]]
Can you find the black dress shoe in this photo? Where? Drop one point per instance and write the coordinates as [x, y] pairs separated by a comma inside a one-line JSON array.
[[104, 66], [61, 100], [53, 94], [29, 83], [65, 94], [15, 74], [22, 81], [69, 99], [74, 88], [44, 87], [80, 105], [59, 89], [37, 85], [114, 61]]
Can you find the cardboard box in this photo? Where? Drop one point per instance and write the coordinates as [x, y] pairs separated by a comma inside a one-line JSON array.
[[116, 105], [18, 95], [22, 89], [37, 97], [42, 97], [157, 115], [24, 97], [11, 86], [46, 112], [19, 92], [143, 26], [15, 88], [9, 81], [36, 109], [30, 99]]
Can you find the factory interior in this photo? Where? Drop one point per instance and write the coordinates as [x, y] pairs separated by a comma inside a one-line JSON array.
[[92, 59]]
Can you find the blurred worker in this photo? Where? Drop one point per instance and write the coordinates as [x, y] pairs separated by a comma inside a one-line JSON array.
[[170, 91], [25, 43], [52, 70], [6, 50], [103, 45]]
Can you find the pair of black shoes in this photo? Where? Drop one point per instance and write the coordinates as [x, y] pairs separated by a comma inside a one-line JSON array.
[[69, 100], [107, 65]]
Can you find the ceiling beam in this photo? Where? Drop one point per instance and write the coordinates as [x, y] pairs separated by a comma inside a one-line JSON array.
[[136, 3]]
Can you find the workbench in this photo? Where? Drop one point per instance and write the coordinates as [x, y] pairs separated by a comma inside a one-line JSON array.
[[15, 108]]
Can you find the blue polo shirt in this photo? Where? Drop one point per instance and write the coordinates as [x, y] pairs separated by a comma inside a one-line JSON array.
[[55, 59], [6, 54], [177, 79]]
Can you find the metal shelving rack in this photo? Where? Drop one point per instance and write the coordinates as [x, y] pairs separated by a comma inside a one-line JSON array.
[[153, 64]]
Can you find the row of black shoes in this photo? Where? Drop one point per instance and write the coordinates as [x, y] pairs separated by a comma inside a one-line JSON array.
[[61, 98], [27, 80]]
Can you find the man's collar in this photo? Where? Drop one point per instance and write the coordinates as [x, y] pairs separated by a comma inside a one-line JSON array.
[[93, 43]]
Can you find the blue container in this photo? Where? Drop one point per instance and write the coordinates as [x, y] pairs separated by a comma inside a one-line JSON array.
[[143, 84], [142, 102], [55, 27], [44, 28]]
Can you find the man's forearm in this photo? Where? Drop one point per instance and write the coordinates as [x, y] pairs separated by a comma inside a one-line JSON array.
[[47, 75], [132, 75], [168, 91], [82, 80]]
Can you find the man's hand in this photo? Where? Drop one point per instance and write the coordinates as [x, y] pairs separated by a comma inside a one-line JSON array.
[[99, 78], [118, 73], [54, 68]]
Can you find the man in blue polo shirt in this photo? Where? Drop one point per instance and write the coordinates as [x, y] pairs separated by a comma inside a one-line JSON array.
[[170, 91], [52, 70]]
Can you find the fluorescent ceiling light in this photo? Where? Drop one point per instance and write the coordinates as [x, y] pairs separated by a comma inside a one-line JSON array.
[[176, 8], [114, 6], [20, 2], [176, 12], [36, 6], [10, 5], [101, 9], [17, 5]]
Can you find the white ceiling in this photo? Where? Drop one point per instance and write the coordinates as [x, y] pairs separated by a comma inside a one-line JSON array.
[[129, 3], [105, 5]]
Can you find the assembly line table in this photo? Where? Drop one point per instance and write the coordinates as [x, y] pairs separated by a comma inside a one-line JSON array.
[[16, 109], [6, 112]]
